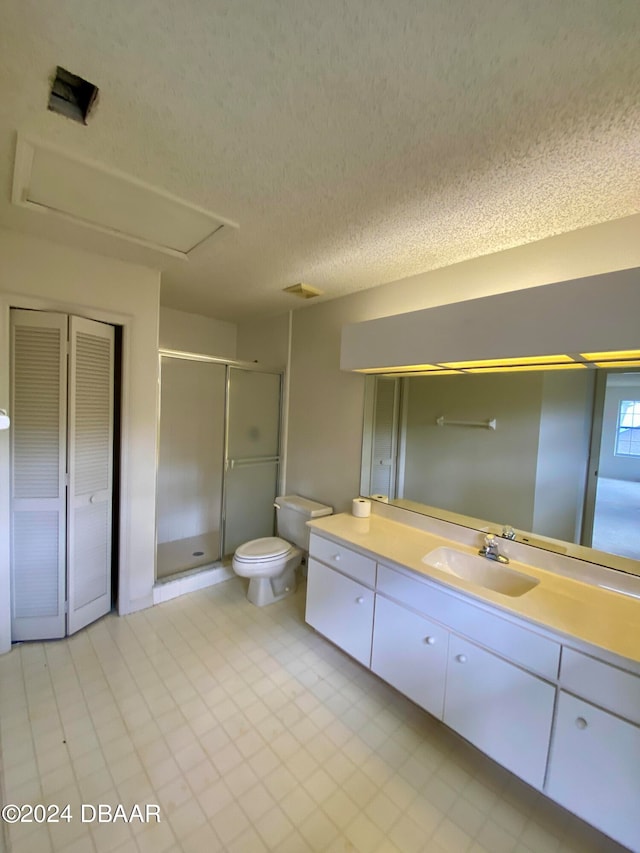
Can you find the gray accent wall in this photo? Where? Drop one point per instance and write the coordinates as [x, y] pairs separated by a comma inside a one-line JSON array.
[[530, 472], [474, 471], [563, 453]]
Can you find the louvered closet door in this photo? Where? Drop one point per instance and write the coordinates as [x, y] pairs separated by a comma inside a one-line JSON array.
[[90, 471], [38, 494]]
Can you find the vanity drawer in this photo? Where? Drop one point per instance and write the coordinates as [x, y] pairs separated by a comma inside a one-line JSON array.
[[601, 683], [524, 647], [343, 559]]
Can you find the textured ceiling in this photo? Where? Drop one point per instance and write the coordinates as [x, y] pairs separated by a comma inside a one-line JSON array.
[[355, 142]]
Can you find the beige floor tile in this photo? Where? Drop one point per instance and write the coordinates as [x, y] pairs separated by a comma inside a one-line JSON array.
[[252, 733]]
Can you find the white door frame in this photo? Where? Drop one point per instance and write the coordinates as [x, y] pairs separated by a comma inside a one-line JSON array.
[[594, 459]]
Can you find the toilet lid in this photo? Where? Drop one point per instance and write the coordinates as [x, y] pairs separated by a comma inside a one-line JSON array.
[[268, 546]]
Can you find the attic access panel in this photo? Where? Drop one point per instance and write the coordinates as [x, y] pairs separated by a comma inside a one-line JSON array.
[[107, 200]]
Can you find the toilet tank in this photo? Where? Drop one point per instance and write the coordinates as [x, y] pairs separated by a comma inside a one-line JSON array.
[[293, 512]]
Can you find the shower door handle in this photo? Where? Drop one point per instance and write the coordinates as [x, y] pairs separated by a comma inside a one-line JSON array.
[[251, 460]]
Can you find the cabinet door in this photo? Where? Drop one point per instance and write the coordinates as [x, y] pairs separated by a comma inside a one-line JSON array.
[[501, 709], [341, 609], [594, 768], [410, 653]]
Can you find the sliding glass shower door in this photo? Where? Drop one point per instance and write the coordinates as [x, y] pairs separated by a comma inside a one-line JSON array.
[[252, 459], [190, 469]]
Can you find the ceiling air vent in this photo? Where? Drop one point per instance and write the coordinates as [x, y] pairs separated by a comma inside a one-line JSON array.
[[71, 96], [304, 291]]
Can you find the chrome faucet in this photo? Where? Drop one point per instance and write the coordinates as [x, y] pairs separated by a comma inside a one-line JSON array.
[[490, 550]]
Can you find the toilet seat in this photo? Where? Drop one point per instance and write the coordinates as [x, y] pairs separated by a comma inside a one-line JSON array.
[[266, 557], [263, 550]]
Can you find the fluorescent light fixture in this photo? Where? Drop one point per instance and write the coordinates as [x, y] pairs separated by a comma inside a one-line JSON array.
[[53, 181], [617, 363], [520, 367], [619, 355], [407, 368], [506, 362], [436, 372], [562, 361]]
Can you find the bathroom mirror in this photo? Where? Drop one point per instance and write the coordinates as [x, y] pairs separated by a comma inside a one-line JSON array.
[[553, 455]]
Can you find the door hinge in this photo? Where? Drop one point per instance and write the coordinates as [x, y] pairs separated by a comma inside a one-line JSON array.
[[66, 607]]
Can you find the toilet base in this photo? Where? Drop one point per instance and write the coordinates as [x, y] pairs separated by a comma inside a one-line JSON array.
[[263, 591]]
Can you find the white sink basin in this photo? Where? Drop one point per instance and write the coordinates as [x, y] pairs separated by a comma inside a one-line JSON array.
[[480, 571]]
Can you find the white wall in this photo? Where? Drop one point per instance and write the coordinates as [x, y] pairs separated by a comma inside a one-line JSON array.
[[180, 330], [326, 406], [265, 340], [325, 410], [40, 275]]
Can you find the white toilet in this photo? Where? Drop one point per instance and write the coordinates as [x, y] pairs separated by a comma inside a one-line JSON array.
[[270, 563]]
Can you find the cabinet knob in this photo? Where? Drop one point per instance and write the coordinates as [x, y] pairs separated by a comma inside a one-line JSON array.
[[581, 723], [359, 600], [461, 658], [430, 640], [336, 558]]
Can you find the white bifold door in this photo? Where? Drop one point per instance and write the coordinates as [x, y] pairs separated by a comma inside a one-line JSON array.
[[62, 381]]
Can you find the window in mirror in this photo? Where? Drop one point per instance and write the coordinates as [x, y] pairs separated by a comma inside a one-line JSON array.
[[628, 434]]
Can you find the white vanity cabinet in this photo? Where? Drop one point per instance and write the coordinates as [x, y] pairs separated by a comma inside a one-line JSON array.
[[503, 710], [340, 602], [410, 653], [496, 704], [594, 767], [560, 718]]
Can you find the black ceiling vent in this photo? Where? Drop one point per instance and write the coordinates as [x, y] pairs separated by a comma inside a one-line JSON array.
[[72, 96]]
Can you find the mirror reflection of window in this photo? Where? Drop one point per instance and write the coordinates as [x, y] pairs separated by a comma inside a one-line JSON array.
[[616, 511], [628, 435]]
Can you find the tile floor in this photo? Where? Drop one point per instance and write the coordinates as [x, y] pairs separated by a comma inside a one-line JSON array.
[[252, 733]]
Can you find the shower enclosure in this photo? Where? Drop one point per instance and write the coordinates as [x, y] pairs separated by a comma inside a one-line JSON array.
[[219, 459]]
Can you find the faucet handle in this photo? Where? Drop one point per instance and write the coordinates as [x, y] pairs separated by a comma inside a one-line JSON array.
[[508, 532]]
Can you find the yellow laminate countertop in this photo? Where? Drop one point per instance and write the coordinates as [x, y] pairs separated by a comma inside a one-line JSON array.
[[584, 611]]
